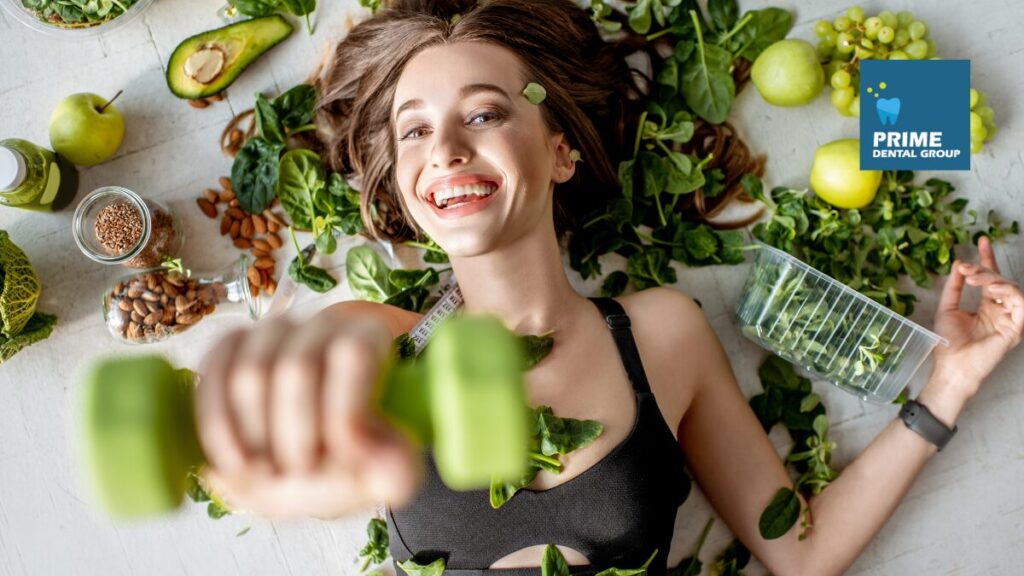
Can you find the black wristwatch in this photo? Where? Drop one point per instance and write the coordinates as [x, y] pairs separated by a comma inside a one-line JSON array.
[[918, 418]]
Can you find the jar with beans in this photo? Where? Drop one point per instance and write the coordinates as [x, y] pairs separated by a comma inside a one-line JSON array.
[[114, 225], [155, 304]]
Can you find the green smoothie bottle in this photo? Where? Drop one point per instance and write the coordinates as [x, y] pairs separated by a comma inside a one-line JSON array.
[[34, 178]]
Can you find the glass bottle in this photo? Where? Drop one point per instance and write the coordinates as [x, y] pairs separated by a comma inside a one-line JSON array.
[[114, 225], [153, 305], [35, 178]]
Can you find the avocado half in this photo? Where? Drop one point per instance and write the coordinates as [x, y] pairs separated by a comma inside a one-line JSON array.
[[207, 63]]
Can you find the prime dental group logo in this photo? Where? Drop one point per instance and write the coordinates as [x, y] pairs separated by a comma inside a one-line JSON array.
[[915, 115]]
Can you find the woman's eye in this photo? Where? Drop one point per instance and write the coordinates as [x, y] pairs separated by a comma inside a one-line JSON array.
[[487, 116], [409, 134], [493, 115]]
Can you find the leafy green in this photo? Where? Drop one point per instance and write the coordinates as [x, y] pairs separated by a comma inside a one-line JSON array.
[[254, 174], [19, 288], [268, 125], [294, 107], [376, 549], [692, 566], [302, 272], [535, 93], [552, 436], [412, 568], [707, 83], [731, 561], [77, 11], [641, 571], [257, 8], [553, 563], [370, 278], [780, 515], [196, 492], [301, 8], [300, 177], [38, 328]]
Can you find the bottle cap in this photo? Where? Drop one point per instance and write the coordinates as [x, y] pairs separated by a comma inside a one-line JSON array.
[[12, 169]]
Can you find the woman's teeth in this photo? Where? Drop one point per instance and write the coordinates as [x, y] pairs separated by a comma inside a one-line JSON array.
[[462, 194]]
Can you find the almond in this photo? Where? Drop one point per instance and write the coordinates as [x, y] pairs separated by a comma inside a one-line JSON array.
[[236, 227], [259, 253], [247, 228], [254, 290], [264, 263], [136, 317], [270, 287], [168, 317], [254, 276], [140, 307], [235, 137], [227, 195], [261, 244], [243, 243], [211, 195], [260, 224], [133, 331], [272, 226], [234, 203], [153, 317], [181, 304], [208, 207], [187, 318], [236, 213], [216, 97], [135, 292], [274, 240], [226, 182], [119, 288], [199, 103], [170, 289], [225, 224]]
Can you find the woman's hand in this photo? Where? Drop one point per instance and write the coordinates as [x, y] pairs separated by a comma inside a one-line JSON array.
[[979, 340], [286, 422]]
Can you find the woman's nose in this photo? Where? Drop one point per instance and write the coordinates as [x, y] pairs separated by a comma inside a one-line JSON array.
[[450, 147]]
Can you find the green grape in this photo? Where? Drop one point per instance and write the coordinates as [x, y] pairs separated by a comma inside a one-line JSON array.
[[872, 26], [917, 50], [898, 55], [974, 98], [841, 79], [842, 97], [991, 132], [831, 37], [822, 28], [901, 39], [987, 115], [845, 43], [855, 107], [886, 35], [863, 53], [976, 120], [833, 66], [917, 29], [842, 24], [905, 18], [855, 14], [825, 49], [889, 18], [867, 43], [978, 132], [982, 100], [931, 49], [976, 146]]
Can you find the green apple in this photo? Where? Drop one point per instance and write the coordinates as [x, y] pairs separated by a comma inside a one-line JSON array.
[[836, 176], [787, 73], [86, 129]]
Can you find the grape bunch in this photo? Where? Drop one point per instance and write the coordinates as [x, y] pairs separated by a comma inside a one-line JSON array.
[[853, 37], [983, 121]]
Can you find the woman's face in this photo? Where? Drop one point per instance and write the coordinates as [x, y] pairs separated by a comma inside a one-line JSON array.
[[462, 127]]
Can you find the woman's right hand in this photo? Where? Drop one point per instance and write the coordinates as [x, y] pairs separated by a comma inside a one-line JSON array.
[[286, 422]]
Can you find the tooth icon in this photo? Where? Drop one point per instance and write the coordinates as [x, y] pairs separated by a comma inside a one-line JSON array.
[[888, 110]]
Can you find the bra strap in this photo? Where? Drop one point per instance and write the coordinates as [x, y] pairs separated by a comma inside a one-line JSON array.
[[618, 323]]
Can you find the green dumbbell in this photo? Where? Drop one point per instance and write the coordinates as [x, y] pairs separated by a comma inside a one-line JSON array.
[[465, 397]]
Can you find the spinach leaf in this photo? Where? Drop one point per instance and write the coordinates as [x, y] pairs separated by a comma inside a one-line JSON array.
[[254, 174], [724, 14], [376, 549], [301, 8], [707, 84], [766, 27], [732, 560], [563, 435], [641, 571], [780, 515], [553, 563], [614, 284], [256, 8], [295, 106], [537, 347], [367, 274], [301, 176], [692, 566], [412, 568], [267, 122], [346, 208], [317, 279], [649, 268]]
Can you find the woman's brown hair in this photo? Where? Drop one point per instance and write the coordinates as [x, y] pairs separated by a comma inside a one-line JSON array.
[[591, 93]]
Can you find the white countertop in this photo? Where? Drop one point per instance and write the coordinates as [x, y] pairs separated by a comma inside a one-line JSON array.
[[965, 514]]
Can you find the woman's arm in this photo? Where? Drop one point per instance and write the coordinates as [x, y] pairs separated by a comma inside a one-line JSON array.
[[738, 469]]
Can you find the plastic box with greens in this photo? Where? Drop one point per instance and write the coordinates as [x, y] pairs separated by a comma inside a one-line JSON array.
[[829, 329]]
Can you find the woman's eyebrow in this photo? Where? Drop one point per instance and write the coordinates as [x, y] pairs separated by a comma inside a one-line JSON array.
[[464, 92]]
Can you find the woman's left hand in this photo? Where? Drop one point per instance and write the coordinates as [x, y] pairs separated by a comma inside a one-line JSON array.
[[979, 340]]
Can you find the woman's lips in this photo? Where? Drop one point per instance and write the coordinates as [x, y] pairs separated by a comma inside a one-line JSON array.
[[467, 208]]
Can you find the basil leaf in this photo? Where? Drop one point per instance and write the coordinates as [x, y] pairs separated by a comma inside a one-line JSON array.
[[367, 274], [254, 174], [256, 8], [301, 176], [553, 563], [780, 515], [295, 106], [435, 568], [376, 549]]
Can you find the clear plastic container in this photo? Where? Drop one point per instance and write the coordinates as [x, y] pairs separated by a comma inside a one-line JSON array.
[[829, 329], [153, 305], [76, 31]]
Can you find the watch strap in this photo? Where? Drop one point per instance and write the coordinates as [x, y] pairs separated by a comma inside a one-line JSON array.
[[918, 418]]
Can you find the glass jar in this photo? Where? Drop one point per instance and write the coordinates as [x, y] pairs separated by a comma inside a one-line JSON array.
[[34, 178], [153, 305], [114, 225]]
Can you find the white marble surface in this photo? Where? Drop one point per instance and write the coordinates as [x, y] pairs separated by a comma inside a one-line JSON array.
[[965, 515]]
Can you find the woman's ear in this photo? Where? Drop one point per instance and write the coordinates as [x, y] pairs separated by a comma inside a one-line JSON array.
[[565, 166]]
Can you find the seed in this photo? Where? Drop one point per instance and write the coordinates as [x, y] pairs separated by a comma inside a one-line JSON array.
[[243, 243], [226, 182], [227, 195], [124, 304], [236, 213], [199, 103], [207, 206], [152, 307], [270, 287], [133, 331], [140, 307], [187, 319], [259, 253], [259, 224], [170, 289], [236, 227], [153, 317], [274, 240], [247, 228], [150, 282], [211, 195], [134, 292], [254, 276], [261, 244], [264, 263], [136, 317], [150, 297], [181, 304]]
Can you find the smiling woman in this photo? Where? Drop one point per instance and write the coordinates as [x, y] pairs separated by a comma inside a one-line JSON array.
[[467, 121]]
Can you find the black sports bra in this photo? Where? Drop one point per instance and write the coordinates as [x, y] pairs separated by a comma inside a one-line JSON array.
[[616, 513]]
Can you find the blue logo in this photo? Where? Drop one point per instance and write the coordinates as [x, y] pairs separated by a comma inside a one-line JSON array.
[[915, 114], [888, 110]]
